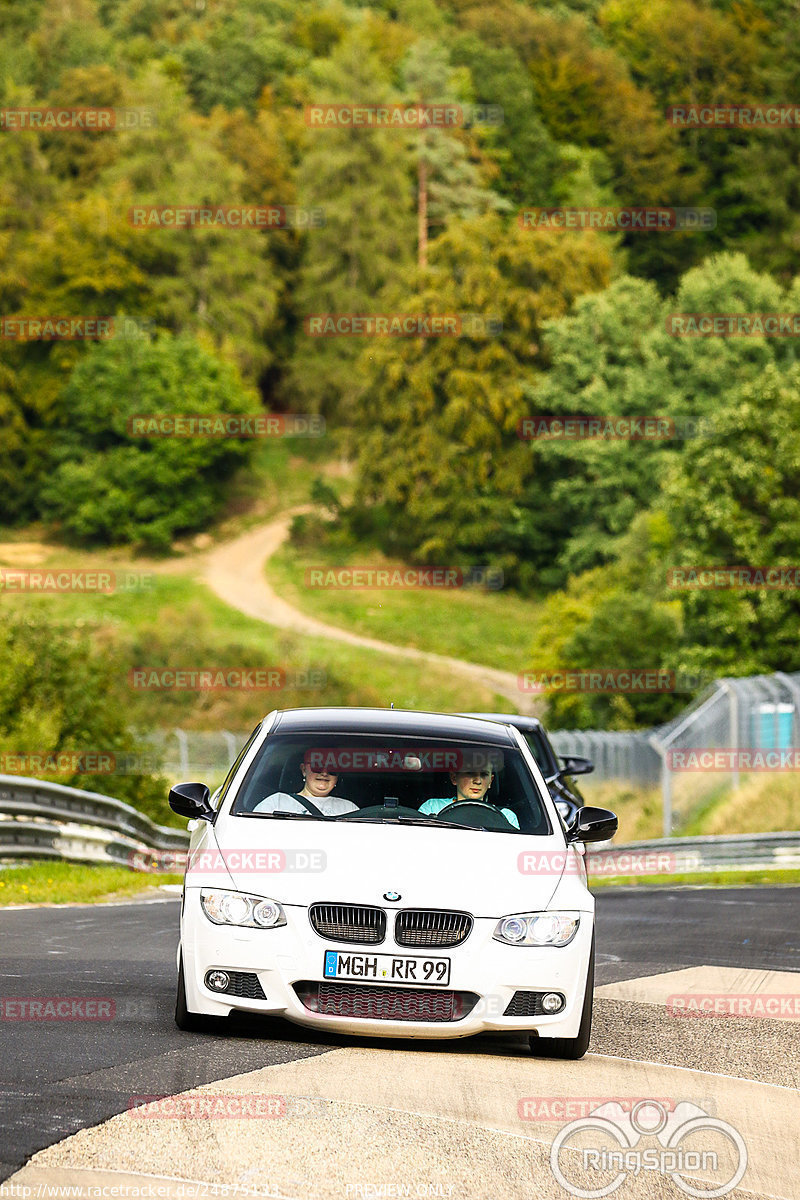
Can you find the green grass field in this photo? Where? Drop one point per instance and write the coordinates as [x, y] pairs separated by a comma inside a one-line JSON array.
[[494, 628], [73, 883]]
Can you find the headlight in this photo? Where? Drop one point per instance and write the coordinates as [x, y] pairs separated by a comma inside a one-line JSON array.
[[538, 929], [237, 908]]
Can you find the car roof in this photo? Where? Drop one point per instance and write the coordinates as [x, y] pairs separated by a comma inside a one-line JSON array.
[[398, 721], [515, 719]]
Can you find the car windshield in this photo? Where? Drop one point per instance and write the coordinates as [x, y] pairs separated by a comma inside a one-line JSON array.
[[400, 780]]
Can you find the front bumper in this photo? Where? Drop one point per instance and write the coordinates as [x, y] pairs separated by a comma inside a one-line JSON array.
[[294, 954]]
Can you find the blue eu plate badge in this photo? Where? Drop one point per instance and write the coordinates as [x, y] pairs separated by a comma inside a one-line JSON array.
[[331, 957]]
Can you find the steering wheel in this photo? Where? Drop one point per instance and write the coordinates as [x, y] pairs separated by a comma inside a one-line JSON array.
[[484, 815], [379, 810]]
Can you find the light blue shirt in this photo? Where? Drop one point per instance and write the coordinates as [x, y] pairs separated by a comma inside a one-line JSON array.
[[431, 807]]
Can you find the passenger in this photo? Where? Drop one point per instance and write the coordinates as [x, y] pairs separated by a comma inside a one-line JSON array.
[[470, 786], [317, 787]]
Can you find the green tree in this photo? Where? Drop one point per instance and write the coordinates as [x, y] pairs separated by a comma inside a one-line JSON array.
[[613, 356], [62, 690], [362, 179], [110, 482], [440, 464]]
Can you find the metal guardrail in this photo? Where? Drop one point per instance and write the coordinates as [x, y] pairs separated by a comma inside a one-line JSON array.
[[50, 820], [744, 851]]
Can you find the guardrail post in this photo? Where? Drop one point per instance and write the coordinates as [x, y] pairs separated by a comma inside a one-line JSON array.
[[183, 750], [733, 703]]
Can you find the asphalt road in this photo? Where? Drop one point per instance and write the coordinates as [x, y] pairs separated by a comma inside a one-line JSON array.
[[59, 1076]]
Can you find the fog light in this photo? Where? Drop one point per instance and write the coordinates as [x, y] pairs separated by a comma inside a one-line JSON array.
[[552, 1002], [218, 981]]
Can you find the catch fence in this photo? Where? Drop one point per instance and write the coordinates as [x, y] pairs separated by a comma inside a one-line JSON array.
[[735, 727]]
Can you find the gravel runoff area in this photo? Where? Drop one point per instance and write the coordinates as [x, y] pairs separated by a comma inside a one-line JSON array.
[[437, 1122]]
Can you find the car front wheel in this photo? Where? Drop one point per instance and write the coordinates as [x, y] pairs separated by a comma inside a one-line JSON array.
[[558, 1047]]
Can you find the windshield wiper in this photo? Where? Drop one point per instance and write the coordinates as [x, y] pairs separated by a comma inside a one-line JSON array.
[[413, 821], [288, 816]]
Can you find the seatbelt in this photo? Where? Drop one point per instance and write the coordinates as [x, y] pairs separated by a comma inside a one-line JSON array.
[[315, 812]]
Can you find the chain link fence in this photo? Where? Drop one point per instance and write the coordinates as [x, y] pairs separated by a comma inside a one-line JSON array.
[[192, 754], [733, 727]]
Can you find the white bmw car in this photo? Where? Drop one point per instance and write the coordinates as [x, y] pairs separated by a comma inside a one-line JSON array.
[[389, 873]]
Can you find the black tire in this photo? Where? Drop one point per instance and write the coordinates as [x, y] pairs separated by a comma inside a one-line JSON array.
[[558, 1047], [188, 1021]]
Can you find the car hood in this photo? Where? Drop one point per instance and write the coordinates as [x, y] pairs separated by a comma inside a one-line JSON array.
[[300, 862]]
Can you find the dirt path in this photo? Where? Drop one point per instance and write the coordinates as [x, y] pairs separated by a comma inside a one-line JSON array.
[[235, 572]]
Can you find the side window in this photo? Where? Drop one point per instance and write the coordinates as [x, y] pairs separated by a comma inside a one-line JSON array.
[[536, 750], [221, 792]]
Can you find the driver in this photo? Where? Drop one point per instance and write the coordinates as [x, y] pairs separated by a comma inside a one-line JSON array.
[[317, 787], [471, 787]]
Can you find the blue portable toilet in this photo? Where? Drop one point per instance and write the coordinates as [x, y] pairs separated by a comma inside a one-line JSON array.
[[773, 726]]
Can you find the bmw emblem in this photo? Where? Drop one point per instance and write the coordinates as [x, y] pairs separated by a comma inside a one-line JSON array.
[[392, 896]]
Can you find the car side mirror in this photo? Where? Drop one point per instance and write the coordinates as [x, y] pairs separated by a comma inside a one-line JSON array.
[[192, 800], [593, 825], [574, 765]]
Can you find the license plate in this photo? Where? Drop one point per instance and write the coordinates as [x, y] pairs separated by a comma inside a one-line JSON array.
[[386, 968]]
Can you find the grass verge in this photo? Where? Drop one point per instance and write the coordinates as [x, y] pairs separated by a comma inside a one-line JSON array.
[[701, 879], [73, 883], [493, 628]]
